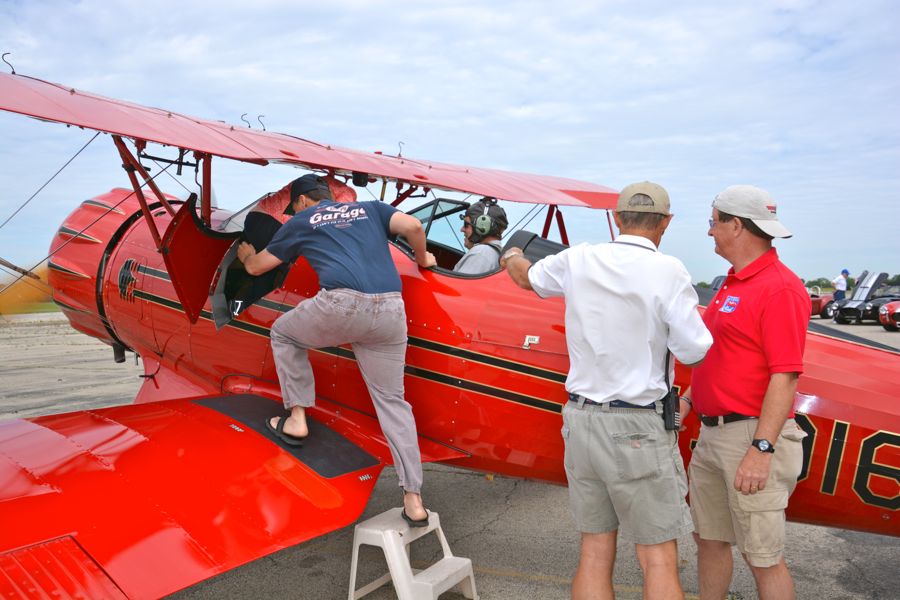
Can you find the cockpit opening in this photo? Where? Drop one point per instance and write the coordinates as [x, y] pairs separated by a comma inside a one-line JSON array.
[[236, 290]]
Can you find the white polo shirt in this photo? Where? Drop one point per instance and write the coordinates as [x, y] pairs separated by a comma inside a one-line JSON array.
[[626, 303]]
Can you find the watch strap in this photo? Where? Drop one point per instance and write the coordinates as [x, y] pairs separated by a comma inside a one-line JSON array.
[[763, 445]]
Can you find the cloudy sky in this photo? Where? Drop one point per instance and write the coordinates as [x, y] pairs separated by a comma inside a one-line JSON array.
[[797, 96]]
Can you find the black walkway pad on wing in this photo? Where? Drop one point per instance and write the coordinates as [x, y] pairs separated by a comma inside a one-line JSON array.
[[325, 451]]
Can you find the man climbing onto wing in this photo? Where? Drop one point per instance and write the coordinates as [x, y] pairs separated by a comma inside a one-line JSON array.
[[359, 303]]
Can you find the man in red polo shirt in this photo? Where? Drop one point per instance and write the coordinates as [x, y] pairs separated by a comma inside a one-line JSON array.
[[749, 454]]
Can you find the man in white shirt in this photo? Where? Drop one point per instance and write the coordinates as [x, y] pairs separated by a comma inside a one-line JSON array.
[[483, 224], [840, 285], [627, 306]]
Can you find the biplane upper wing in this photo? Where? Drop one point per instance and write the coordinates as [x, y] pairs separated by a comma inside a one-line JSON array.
[[140, 501], [54, 102], [191, 254]]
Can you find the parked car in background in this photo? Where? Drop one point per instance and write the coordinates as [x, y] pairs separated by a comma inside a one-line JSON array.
[[866, 284], [820, 302], [889, 315], [867, 298]]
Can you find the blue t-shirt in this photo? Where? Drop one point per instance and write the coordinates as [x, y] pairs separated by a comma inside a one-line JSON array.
[[345, 243]]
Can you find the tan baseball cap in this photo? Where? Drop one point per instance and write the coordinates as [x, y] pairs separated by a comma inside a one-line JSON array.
[[753, 203], [645, 197]]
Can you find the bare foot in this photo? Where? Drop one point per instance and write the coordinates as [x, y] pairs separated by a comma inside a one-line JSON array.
[[412, 504]]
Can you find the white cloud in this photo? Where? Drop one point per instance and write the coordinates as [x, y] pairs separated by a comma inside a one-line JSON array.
[[800, 97]]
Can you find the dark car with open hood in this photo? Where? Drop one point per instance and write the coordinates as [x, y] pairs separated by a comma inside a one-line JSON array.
[[868, 297]]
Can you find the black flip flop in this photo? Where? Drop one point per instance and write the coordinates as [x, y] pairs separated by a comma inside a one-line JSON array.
[[415, 522], [278, 431]]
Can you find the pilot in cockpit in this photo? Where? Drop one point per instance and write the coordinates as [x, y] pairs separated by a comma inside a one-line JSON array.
[[483, 224]]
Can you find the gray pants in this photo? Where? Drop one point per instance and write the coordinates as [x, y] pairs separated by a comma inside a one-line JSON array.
[[375, 326]]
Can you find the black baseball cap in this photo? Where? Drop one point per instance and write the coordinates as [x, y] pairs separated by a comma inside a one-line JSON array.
[[304, 185]]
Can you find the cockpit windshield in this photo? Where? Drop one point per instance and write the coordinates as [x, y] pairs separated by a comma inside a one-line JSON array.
[[235, 222], [442, 223]]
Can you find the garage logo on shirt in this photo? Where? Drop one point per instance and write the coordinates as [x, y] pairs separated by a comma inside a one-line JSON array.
[[337, 215], [730, 305]]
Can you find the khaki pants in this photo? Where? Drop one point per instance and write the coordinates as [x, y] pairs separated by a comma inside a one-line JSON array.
[[375, 326], [755, 522], [624, 467]]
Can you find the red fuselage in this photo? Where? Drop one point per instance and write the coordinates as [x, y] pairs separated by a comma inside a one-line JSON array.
[[474, 384]]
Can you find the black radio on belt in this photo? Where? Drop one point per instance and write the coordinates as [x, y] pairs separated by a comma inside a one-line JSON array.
[[671, 404], [671, 411]]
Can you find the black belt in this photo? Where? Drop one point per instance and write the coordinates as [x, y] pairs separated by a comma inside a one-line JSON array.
[[724, 419], [613, 403]]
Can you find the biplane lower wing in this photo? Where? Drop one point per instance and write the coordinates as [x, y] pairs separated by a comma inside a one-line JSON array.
[[142, 500]]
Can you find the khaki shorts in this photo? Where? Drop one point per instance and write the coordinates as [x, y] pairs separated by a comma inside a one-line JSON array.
[[754, 522], [624, 468]]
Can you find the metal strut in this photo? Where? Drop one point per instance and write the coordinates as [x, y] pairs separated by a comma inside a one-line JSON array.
[[131, 164], [401, 196], [550, 212], [563, 236], [553, 210], [206, 192]]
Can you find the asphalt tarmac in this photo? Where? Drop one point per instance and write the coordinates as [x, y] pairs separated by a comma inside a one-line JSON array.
[[518, 533]]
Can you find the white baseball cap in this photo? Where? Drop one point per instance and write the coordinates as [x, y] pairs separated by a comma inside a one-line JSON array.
[[753, 203]]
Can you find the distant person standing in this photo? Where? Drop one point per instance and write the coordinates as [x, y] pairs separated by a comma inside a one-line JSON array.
[[840, 285]]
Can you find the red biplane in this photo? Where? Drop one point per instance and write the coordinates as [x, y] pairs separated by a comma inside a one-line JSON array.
[[145, 499]]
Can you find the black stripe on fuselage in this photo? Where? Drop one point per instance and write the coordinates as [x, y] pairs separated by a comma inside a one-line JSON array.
[[478, 357], [55, 267], [164, 276], [488, 360], [442, 378], [205, 314], [77, 234], [276, 306], [69, 307], [162, 301], [422, 343], [486, 390], [458, 383], [154, 272], [102, 205]]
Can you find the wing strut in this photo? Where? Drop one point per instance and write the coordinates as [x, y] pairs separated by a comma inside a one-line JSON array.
[[130, 164], [206, 192], [401, 196], [550, 211], [563, 236]]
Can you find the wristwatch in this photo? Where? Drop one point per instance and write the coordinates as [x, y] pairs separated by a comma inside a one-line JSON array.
[[763, 446]]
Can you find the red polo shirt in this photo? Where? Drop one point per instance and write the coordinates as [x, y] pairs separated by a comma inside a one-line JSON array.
[[758, 322]]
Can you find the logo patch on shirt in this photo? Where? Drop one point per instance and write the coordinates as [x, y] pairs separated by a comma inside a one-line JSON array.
[[730, 305], [341, 215]]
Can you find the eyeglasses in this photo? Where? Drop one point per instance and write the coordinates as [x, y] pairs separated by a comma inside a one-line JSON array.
[[467, 224], [712, 223]]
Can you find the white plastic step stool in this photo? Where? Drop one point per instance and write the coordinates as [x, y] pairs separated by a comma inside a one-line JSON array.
[[392, 534]]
